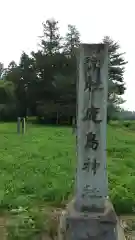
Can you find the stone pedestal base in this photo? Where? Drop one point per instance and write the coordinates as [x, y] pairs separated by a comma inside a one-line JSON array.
[[89, 226]]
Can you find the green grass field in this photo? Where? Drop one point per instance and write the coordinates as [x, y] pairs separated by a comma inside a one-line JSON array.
[[38, 168]]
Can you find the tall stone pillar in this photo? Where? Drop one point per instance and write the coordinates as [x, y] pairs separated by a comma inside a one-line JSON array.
[[90, 216]]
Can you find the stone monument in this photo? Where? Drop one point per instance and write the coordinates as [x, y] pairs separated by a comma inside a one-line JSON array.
[[90, 216]]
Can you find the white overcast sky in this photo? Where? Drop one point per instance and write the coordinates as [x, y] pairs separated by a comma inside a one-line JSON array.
[[21, 24]]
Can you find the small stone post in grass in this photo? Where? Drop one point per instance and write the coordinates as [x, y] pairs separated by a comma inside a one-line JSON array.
[[21, 125], [22, 106]]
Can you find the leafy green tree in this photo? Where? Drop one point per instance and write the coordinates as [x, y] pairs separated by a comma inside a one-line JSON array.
[[1, 70], [26, 86], [48, 65], [51, 39], [71, 43], [12, 73], [46, 80], [116, 84], [7, 87], [72, 40], [6, 92], [22, 77]]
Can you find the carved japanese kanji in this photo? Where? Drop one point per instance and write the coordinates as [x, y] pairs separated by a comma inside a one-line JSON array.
[[91, 141], [91, 114], [93, 164], [89, 191], [92, 72], [86, 165]]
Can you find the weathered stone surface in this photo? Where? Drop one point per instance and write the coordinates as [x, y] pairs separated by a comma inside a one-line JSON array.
[[91, 180], [86, 226]]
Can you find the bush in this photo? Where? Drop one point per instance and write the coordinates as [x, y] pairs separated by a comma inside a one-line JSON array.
[[123, 200], [8, 112], [127, 124]]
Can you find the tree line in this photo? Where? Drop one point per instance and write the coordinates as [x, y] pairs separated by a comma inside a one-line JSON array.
[[44, 82]]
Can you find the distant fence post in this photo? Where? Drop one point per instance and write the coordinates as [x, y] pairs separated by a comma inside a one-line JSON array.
[[22, 105], [18, 124], [21, 125], [73, 125]]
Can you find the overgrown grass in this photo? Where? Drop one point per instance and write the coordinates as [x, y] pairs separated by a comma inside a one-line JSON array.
[[38, 168], [121, 165]]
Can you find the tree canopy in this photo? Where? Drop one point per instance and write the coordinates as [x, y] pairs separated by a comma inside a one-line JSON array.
[[45, 81]]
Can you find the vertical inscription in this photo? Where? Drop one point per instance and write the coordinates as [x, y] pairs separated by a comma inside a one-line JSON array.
[[92, 71], [92, 65], [91, 120]]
